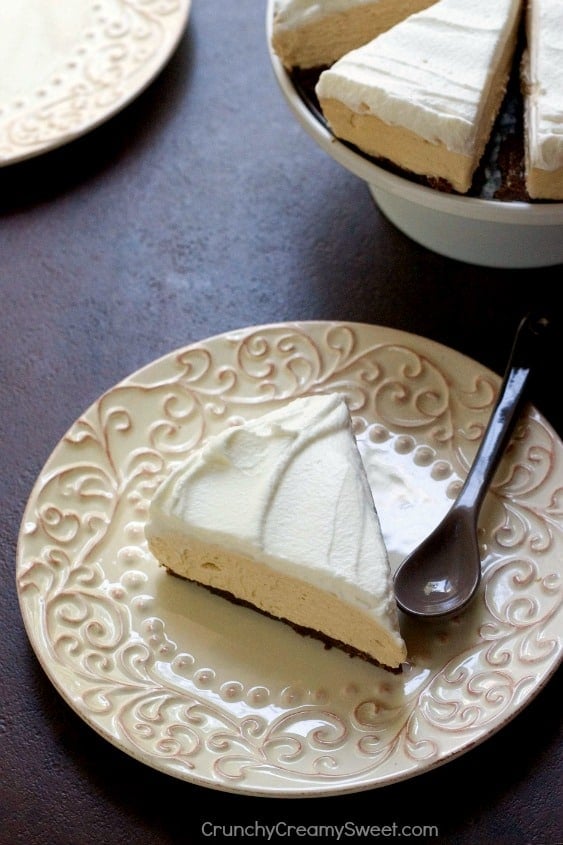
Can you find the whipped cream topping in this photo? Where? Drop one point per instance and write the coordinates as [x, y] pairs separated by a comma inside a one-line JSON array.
[[244, 489], [295, 13], [431, 73], [544, 117]]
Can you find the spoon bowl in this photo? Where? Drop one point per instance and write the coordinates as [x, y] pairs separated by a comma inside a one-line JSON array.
[[441, 576]]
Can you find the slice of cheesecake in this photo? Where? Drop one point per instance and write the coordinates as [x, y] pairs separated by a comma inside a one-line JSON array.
[[543, 87], [309, 33], [278, 514], [425, 94]]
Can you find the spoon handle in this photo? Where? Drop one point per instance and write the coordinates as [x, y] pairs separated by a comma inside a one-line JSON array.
[[528, 343]]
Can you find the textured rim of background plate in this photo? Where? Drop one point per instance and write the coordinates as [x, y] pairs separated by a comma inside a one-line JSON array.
[[103, 114], [307, 328], [522, 213]]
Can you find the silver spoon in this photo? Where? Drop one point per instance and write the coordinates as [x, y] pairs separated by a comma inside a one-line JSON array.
[[441, 575]]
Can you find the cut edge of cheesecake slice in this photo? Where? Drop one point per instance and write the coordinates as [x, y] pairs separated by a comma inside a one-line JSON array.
[[542, 76], [425, 94], [277, 514]]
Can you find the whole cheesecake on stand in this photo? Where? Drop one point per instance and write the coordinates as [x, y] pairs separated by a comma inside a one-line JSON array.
[[425, 94], [512, 214], [277, 514]]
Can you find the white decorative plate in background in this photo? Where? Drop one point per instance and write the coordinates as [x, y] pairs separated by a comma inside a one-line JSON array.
[[221, 696], [69, 65]]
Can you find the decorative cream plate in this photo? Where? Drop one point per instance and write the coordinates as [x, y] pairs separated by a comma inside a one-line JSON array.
[[221, 696], [69, 65]]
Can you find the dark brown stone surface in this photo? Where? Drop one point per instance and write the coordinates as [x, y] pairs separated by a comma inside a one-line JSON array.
[[203, 207]]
